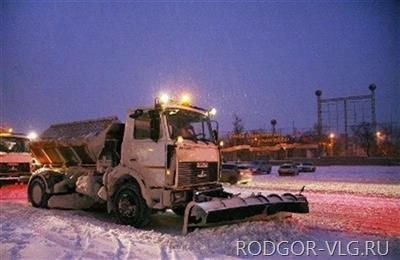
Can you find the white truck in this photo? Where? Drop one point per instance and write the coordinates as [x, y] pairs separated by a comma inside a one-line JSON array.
[[16, 161], [164, 157]]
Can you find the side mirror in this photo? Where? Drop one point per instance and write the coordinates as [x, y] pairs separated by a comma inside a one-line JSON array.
[[136, 114], [215, 127], [215, 134], [154, 125]]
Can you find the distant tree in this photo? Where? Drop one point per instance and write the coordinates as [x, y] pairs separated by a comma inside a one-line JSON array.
[[364, 133], [238, 127]]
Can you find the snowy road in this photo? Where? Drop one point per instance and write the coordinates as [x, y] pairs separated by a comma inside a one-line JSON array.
[[344, 207]]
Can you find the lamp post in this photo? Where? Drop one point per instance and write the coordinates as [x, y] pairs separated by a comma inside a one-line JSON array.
[[318, 93], [273, 124]]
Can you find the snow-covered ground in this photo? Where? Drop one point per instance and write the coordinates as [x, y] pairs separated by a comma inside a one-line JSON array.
[[367, 180], [346, 203]]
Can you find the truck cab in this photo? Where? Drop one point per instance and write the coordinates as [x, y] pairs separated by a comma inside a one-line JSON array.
[[15, 157], [173, 148]]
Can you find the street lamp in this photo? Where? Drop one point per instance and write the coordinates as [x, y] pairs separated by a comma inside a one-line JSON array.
[[332, 138]]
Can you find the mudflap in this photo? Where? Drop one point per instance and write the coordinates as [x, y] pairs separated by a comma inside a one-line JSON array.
[[219, 211]]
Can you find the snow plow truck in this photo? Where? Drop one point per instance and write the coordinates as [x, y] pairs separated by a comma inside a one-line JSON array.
[[166, 156]]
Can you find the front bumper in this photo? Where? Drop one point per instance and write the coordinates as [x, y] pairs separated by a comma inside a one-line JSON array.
[[15, 176]]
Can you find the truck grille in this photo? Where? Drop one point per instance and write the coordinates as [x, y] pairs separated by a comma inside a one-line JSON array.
[[196, 173], [17, 167]]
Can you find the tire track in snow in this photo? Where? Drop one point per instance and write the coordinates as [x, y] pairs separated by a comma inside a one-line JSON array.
[[123, 249], [83, 236], [36, 226]]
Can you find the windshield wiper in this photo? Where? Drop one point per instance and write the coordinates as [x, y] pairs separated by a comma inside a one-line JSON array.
[[203, 138]]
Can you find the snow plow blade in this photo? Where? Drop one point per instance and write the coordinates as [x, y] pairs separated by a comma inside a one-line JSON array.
[[236, 209]]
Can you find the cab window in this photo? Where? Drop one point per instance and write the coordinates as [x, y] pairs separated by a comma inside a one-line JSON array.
[[142, 128]]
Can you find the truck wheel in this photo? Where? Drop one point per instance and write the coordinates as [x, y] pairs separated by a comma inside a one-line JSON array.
[[37, 193], [130, 207], [232, 180]]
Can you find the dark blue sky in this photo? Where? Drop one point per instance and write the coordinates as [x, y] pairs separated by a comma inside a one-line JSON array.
[[71, 61]]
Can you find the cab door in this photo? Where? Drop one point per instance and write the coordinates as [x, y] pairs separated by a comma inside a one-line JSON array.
[[146, 150]]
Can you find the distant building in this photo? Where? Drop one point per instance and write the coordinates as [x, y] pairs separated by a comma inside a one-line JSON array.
[[263, 145]]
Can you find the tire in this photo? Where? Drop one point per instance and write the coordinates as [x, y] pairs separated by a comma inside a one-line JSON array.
[[130, 206], [37, 193], [180, 211]]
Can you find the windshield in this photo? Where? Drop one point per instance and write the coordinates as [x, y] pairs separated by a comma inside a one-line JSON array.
[[13, 144], [190, 125]]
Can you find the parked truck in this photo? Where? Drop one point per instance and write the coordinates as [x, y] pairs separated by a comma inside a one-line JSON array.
[[165, 156], [16, 161]]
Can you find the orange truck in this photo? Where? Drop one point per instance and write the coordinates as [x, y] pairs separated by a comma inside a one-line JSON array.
[[16, 162]]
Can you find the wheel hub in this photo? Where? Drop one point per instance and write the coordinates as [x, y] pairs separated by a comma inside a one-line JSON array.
[[37, 193], [127, 206]]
